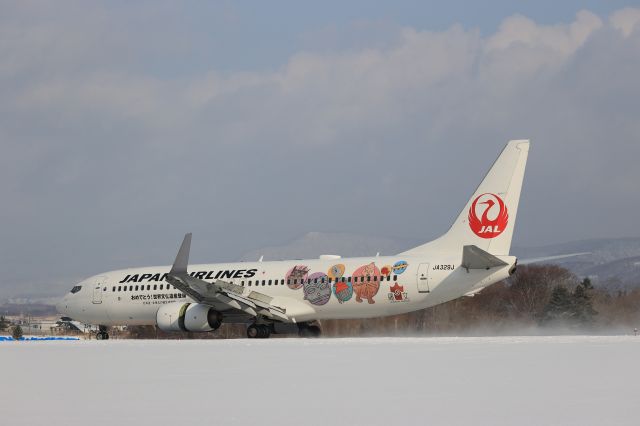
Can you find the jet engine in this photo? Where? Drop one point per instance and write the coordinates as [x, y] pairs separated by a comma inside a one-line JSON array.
[[188, 317]]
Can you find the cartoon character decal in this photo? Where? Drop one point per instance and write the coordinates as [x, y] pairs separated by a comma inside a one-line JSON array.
[[397, 294], [366, 282], [386, 270], [336, 271], [343, 291], [399, 267], [317, 289], [296, 276]]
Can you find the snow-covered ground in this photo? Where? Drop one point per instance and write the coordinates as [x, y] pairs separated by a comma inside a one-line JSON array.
[[392, 381]]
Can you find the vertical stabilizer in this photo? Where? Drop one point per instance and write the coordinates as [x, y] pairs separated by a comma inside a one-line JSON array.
[[488, 219]]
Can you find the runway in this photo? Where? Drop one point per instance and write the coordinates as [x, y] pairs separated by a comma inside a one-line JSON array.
[[569, 380]]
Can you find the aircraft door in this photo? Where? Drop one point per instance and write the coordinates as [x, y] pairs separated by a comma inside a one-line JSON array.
[[97, 289], [423, 278]]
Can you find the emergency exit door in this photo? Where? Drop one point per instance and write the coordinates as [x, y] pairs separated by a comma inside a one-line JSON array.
[[423, 278]]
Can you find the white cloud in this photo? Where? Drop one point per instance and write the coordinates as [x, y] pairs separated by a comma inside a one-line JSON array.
[[626, 20]]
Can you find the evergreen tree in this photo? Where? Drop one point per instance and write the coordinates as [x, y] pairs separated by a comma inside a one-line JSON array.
[[582, 305], [4, 324], [573, 309], [17, 332], [559, 308], [586, 283]]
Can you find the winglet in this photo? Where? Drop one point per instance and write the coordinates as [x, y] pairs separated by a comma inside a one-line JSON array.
[[182, 259]]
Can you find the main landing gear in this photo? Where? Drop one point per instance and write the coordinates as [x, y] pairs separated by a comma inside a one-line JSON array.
[[102, 334], [306, 330], [258, 331], [263, 331]]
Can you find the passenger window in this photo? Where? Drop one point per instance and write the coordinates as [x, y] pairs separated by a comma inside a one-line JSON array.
[[76, 289], [113, 289], [155, 286], [148, 286], [263, 282], [136, 288], [282, 282], [161, 285], [119, 288], [269, 282], [395, 278], [349, 279], [295, 281]]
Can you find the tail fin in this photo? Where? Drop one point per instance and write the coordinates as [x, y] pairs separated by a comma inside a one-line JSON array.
[[488, 219]]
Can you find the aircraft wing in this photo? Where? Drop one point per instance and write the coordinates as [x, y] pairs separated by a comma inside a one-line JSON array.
[[220, 292]]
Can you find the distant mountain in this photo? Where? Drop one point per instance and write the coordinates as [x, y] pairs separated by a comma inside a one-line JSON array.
[[612, 262]]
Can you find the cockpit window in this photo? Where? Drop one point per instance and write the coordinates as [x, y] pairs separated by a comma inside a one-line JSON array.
[[76, 289]]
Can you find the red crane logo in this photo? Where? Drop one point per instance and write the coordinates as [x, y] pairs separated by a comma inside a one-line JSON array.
[[488, 226]]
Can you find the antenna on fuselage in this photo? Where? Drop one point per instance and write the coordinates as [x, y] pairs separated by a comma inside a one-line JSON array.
[[261, 257]]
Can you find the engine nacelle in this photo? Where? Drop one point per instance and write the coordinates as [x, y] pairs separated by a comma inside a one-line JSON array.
[[188, 317]]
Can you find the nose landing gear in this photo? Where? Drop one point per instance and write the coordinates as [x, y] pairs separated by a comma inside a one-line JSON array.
[[102, 334]]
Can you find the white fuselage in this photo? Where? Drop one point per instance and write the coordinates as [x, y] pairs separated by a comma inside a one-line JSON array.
[[333, 288]]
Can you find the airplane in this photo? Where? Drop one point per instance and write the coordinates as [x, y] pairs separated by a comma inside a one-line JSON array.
[[293, 296]]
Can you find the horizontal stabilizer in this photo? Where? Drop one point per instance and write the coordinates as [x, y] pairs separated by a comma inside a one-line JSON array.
[[476, 258]]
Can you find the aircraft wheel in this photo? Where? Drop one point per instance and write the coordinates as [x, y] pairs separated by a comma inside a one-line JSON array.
[[102, 335], [309, 331], [314, 331], [265, 332], [253, 332], [258, 331]]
